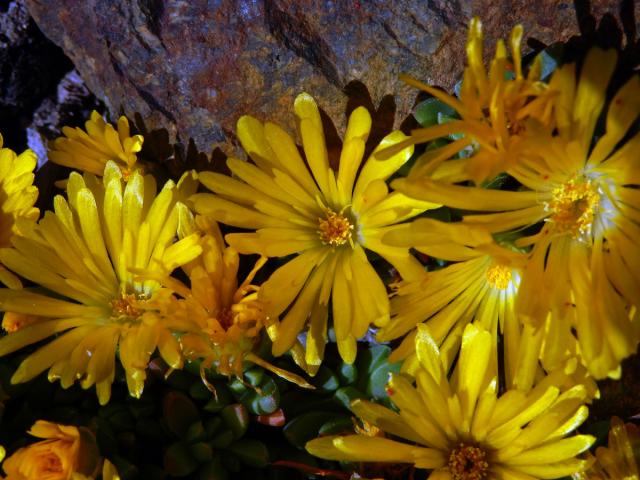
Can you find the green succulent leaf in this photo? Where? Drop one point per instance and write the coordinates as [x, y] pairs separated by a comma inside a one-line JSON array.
[[430, 111], [347, 373], [375, 370], [251, 452], [195, 432], [213, 470], [236, 418], [222, 440], [202, 452], [178, 460], [346, 395], [325, 380], [221, 399], [179, 412], [263, 399], [305, 427], [337, 426]]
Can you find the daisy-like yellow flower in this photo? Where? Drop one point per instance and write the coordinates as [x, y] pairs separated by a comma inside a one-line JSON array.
[[90, 150], [494, 106], [218, 320], [480, 287], [461, 427], [585, 267], [328, 220], [17, 197], [83, 253], [620, 459]]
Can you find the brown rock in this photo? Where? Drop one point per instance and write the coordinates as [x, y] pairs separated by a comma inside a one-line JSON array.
[[196, 66]]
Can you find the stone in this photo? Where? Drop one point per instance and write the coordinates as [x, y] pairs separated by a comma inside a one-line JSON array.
[[195, 66], [30, 69]]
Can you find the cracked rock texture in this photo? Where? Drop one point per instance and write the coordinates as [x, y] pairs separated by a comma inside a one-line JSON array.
[[30, 69], [195, 66]]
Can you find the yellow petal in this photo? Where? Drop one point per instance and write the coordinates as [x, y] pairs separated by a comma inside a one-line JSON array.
[[360, 448], [313, 140], [385, 419], [553, 452]]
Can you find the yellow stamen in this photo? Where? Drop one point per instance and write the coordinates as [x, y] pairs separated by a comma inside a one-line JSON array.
[[126, 307], [574, 206], [498, 276], [362, 427], [335, 229], [468, 463]]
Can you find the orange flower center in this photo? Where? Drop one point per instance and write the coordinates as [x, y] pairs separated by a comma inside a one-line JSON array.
[[498, 276], [335, 229], [51, 464], [468, 463], [225, 317], [574, 206], [127, 307]]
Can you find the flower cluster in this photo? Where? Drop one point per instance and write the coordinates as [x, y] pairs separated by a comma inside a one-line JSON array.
[[575, 209], [502, 319]]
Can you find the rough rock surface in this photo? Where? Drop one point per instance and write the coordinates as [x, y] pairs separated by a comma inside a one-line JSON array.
[[196, 66], [30, 69]]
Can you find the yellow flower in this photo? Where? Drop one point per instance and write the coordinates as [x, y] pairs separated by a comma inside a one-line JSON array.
[[620, 460], [218, 320], [327, 220], [495, 108], [584, 273], [90, 151], [461, 427], [480, 287], [17, 197], [83, 254], [66, 453]]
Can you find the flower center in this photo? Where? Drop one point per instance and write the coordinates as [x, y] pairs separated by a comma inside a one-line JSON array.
[[225, 317], [574, 206], [468, 463], [498, 276], [127, 307], [51, 464], [335, 229]]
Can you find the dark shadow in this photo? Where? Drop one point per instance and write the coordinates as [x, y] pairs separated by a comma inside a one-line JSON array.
[[333, 140], [168, 160], [382, 117]]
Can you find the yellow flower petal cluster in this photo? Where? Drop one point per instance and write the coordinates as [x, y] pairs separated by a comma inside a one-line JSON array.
[[17, 197], [494, 108], [90, 150], [218, 320], [462, 427], [480, 287], [327, 219], [620, 459], [66, 453], [583, 273], [83, 254]]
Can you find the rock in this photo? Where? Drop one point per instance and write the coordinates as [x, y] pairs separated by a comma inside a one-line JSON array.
[[30, 69], [194, 67]]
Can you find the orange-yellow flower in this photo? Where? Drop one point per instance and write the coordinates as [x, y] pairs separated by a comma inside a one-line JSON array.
[[90, 150], [463, 427], [495, 108], [218, 320], [620, 459], [17, 197], [326, 219], [66, 453], [83, 254], [583, 277]]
